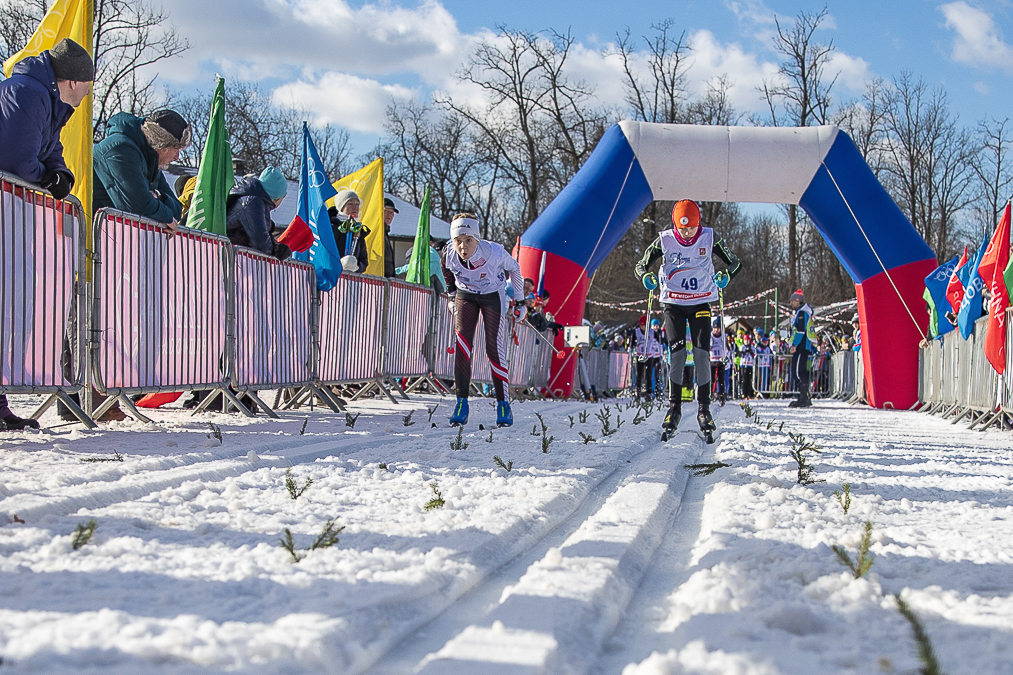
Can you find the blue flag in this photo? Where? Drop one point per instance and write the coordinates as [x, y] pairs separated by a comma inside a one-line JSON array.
[[971, 305], [314, 191], [935, 284]]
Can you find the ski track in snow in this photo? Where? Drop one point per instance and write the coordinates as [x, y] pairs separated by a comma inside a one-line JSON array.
[[588, 559]]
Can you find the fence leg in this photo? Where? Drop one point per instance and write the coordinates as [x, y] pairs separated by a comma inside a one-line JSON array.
[[236, 402], [327, 397], [131, 408], [395, 385], [366, 388], [67, 401], [386, 391], [961, 416], [263, 406]]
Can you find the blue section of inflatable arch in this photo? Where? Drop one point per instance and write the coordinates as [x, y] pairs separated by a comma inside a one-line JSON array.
[[886, 226], [571, 225]]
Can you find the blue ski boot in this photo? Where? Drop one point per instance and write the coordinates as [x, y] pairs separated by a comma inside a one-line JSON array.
[[460, 416], [504, 416]]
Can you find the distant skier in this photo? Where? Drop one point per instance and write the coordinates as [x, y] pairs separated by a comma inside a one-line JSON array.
[[688, 284], [803, 343], [719, 355], [479, 272]]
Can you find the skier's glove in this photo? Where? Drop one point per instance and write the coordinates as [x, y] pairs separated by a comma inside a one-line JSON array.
[[520, 312], [721, 279], [650, 281], [58, 183]]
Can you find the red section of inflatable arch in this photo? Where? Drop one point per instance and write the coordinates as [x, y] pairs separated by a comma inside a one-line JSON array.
[[889, 337], [567, 282]]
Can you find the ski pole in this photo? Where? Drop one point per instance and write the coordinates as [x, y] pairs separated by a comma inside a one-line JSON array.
[[547, 341]]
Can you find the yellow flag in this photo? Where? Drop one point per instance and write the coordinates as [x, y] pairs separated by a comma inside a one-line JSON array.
[[368, 184]]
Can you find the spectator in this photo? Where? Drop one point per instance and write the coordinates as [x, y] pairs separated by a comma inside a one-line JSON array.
[[185, 187], [388, 248], [436, 280], [129, 163], [803, 343], [35, 104], [349, 234], [248, 212], [529, 286]]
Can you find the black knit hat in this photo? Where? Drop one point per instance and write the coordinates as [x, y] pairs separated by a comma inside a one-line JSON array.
[[71, 61], [166, 129]]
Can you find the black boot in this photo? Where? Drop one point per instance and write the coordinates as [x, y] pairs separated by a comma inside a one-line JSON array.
[[703, 415], [674, 415], [12, 422]]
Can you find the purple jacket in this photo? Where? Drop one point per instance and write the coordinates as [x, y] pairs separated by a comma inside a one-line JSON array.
[[31, 117]]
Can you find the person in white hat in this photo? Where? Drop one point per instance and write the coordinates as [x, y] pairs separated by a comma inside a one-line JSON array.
[[480, 272]]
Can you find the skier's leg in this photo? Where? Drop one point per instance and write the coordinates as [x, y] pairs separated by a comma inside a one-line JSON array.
[[497, 320], [465, 323]]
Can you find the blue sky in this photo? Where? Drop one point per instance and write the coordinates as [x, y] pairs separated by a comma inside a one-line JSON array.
[[345, 61]]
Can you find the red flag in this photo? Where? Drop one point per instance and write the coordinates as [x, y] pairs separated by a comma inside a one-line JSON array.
[[991, 269], [297, 236], [955, 289]]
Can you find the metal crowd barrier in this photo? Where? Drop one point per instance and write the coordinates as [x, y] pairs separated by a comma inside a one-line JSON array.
[[43, 328], [162, 307], [351, 332], [620, 376], [409, 317], [274, 324]]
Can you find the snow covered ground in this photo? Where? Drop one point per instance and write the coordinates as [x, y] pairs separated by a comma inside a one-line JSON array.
[[599, 557]]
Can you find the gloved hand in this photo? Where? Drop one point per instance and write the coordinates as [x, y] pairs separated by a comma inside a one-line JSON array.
[[281, 251], [59, 183], [650, 281], [520, 312], [721, 279]]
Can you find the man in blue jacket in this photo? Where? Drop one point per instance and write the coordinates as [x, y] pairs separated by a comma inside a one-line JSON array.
[[35, 104], [129, 163], [803, 344]]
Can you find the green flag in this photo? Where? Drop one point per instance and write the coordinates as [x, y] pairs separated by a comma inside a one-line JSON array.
[[418, 266], [1008, 276], [215, 177]]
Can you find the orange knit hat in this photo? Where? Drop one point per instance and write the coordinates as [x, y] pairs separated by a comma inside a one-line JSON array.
[[685, 213]]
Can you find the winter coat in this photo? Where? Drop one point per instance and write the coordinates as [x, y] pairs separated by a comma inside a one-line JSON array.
[[31, 117], [388, 255], [248, 218], [126, 173], [349, 244]]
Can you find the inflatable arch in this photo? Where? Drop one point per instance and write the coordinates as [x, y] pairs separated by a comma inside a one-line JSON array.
[[818, 168]]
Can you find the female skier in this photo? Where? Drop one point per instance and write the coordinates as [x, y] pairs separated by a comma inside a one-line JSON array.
[[479, 272], [688, 285]]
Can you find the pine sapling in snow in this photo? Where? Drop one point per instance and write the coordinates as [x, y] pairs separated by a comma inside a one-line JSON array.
[[844, 498], [293, 490], [864, 562], [534, 429], [587, 438], [637, 419], [571, 420], [383, 466], [302, 431], [508, 466], [431, 411], [705, 469], [930, 665], [800, 449], [746, 409], [117, 457], [350, 419], [406, 420], [582, 416], [328, 536], [489, 440], [605, 417], [83, 533], [289, 545], [458, 443], [216, 432], [437, 501]]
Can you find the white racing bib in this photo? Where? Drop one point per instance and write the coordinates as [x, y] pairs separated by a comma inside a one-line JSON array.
[[489, 270], [687, 272]]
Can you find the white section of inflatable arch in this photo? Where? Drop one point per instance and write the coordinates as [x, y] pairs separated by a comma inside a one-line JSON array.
[[728, 164]]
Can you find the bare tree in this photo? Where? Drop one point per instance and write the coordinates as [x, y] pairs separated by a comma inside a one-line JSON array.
[[992, 167], [537, 122], [864, 122], [659, 94], [800, 96], [18, 20]]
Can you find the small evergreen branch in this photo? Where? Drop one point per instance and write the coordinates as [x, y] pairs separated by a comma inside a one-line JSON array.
[[605, 417], [437, 501], [383, 466], [582, 416], [865, 560], [747, 409], [705, 469], [406, 420], [350, 419], [927, 655], [844, 499], [117, 457], [289, 545], [83, 533], [546, 442], [571, 420], [637, 419], [619, 422], [499, 462], [458, 443], [216, 432], [293, 490], [489, 440], [800, 449], [328, 536], [431, 411], [770, 424], [304, 423], [780, 428], [534, 429], [588, 438], [542, 422]]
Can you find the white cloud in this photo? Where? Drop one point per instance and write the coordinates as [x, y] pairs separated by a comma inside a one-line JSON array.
[[343, 100], [851, 71], [978, 41], [710, 60], [981, 88]]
